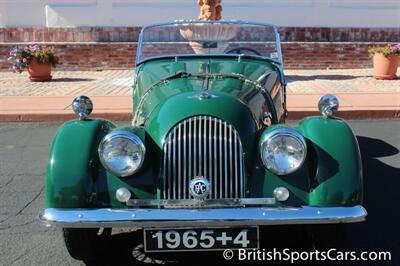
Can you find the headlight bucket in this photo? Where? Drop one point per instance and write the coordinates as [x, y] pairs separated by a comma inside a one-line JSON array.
[[122, 152], [282, 150], [328, 105]]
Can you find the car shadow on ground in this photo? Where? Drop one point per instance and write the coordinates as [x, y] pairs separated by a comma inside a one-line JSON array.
[[379, 233], [293, 78], [381, 230], [72, 79]]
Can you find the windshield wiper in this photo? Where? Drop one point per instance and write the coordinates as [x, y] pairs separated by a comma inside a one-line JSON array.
[[184, 74], [178, 74]]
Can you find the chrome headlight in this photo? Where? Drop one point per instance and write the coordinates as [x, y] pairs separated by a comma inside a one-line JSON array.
[[283, 150], [328, 105], [82, 106], [122, 153]]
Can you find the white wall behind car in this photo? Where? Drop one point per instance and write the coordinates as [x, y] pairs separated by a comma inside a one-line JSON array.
[[300, 13]]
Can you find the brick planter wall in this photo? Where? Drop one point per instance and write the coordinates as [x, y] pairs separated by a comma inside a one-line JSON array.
[[121, 55], [115, 47]]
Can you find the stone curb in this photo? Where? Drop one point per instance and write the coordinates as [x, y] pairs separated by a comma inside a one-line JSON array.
[[126, 116]]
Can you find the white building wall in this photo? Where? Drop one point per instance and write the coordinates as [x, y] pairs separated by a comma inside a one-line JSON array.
[[301, 13]]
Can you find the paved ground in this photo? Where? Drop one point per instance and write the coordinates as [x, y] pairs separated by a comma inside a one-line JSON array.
[[118, 82], [338, 81], [360, 95], [90, 83], [23, 153]]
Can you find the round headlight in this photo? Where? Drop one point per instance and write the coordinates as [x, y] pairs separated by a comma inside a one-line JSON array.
[[82, 106], [328, 105], [283, 150], [122, 153]]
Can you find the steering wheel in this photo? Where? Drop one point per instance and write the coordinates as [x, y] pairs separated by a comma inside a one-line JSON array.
[[239, 50]]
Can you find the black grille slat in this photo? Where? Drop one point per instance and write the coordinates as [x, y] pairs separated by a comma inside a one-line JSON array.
[[203, 146]]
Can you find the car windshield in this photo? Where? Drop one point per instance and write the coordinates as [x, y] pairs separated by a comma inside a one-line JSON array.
[[228, 38]]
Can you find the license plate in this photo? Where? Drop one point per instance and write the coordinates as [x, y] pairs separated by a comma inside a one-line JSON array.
[[187, 239]]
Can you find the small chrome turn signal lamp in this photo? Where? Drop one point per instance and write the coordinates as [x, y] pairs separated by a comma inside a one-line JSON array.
[[123, 195], [82, 106], [328, 105], [281, 193]]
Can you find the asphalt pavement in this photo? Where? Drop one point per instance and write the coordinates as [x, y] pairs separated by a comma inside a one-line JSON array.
[[23, 159]]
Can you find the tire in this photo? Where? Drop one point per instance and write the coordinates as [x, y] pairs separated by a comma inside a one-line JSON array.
[[86, 243], [327, 236]]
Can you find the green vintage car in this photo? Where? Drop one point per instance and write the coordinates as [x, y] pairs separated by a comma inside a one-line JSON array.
[[207, 161]]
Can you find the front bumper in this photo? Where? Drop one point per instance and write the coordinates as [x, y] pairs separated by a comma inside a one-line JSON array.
[[145, 218]]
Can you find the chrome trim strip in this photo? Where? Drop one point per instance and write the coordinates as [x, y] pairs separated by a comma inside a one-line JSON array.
[[145, 218], [241, 184], [215, 158], [230, 164], [169, 167], [210, 203], [190, 150], [173, 185], [165, 172], [184, 160], [220, 158], [226, 160], [205, 146], [210, 168], [200, 119], [179, 161], [236, 168], [194, 149]]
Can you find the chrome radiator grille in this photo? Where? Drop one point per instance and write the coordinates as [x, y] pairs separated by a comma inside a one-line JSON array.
[[203, 146]]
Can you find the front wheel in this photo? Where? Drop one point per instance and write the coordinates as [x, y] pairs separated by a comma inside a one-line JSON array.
[[86, 243]]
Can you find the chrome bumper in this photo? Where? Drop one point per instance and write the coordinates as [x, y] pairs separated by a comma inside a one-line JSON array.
[[144, 218]]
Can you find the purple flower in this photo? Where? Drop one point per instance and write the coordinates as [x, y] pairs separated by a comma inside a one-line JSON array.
[[33, 48], [396, 48]]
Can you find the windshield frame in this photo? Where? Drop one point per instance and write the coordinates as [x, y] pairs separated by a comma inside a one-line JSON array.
[[139, 61]]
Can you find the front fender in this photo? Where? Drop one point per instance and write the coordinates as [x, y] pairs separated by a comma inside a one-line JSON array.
[[335, 162], [72, 165]]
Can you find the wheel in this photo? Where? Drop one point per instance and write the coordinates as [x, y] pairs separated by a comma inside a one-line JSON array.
[[86, 243], [326, 236], [239, 50]]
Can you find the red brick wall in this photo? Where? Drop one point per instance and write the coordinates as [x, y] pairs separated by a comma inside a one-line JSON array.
[[115, 47], [321, 55], [121, 55], [130, 34]]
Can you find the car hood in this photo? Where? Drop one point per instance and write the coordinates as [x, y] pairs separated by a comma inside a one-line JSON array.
[[161, 105], [188, 104]]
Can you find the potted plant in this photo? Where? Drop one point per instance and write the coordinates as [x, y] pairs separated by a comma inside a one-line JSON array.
[[37, 59], [386, 59]]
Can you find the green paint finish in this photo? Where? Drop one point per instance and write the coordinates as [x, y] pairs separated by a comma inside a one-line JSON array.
[[75, 177], [152, 72], [142, 184], [72, 163], [331, 174], [184, 105], [337, 165]]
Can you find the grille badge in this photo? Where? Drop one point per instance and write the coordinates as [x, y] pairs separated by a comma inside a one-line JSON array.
[[199, 187]]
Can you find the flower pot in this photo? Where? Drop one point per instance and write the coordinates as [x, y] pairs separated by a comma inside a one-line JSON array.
[[39, 72], [385, 67]]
